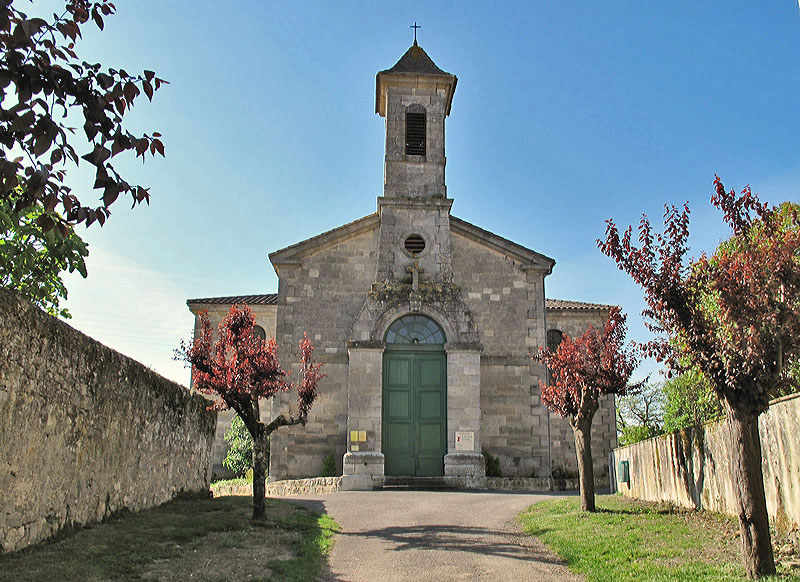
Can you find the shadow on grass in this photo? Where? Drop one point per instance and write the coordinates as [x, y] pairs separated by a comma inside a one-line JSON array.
[[201, 539], [638, 511], [630, 540]]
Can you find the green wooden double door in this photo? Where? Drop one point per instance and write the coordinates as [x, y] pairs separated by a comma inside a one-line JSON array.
[[414, 413]]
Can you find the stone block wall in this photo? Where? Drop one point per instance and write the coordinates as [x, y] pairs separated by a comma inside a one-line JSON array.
[[308, 301], [506, 302], [573, 322], [265, 316], [604, 439], [401, 217], [299, 451], [689, 468], [415, 176], [86, 431], [219, 449]]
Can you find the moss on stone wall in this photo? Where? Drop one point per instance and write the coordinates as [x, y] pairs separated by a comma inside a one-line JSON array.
[[87, 431]]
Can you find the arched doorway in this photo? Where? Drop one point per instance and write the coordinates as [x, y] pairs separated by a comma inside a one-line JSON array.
[[414, 398]]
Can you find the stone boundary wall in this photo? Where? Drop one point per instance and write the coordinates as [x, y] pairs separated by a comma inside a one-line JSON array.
[[517, 484], [86, 431], [325, 485], [689, 468], [314, 486]]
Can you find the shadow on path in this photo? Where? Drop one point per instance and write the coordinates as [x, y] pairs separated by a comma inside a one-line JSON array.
[[453, 539]]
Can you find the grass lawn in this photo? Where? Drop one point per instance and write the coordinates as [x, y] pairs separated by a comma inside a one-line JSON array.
[[634, 540], [199, 539]]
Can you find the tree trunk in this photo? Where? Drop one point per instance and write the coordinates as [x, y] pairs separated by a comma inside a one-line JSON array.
[[260, 448], [583, 447], [748, 483]]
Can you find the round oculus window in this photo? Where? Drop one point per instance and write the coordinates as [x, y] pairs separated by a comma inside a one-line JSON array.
[[414, 244]]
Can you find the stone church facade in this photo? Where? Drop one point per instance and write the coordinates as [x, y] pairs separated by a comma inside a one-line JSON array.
[[423, 322]]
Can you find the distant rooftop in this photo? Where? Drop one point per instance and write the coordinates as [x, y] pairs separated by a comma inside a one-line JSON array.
[[272, 299], [263, 299], [577, 305]]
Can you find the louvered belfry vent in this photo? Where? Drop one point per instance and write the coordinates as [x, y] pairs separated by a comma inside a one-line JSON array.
[[414, 244], [415, 134]]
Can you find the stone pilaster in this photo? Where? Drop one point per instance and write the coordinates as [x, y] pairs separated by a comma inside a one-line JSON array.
[[362, 465], [463, 413]]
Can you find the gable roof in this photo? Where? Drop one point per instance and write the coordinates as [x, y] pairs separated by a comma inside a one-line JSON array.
[[290, 255], [501, 245], [575, 305]]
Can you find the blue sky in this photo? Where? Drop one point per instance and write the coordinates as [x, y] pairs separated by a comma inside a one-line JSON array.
[[566, 114]]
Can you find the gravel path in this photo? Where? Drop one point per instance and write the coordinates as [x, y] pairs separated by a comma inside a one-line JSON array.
[[434, 535]]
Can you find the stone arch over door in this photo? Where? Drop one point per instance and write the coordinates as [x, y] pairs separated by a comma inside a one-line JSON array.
[[414, 397], [364, 461], [375, 317], [392, 315]]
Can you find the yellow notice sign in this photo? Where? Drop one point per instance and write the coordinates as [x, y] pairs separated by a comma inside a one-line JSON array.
[[354, 436], [362, 436]]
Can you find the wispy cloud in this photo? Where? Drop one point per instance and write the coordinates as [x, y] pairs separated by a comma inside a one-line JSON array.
[[133, 309]]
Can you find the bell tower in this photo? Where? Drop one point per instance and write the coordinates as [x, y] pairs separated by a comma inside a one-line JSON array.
[[414, 282], [414, 97]]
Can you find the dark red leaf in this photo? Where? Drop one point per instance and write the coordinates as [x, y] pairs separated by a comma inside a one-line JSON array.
[[130, 91], [97, 156], [110, 195], [45, 222], [141, 147], [106, 81], [98, 20], [148, 89]]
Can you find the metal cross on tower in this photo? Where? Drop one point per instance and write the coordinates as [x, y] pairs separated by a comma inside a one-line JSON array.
[[415, 27]]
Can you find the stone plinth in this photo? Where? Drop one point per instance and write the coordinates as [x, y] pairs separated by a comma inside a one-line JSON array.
[[362, 471], [464, 465]]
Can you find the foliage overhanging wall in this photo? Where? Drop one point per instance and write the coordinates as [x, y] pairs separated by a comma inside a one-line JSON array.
[[689, 468]]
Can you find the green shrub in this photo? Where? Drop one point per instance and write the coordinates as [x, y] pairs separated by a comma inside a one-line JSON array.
[[329, 466], [691, 401], [240, 454], [562, 473], [492, 465], [634, 434]]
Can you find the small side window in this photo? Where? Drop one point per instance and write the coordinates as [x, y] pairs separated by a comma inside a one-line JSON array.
[[554, 339], [259, 332]]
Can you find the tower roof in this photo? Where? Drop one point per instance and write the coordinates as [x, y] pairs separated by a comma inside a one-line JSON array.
[[412, 68], [416, 61]]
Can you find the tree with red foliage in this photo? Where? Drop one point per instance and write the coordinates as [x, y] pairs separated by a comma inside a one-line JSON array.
[[735, 316], [584, 369], [45, 87], [241, 369]]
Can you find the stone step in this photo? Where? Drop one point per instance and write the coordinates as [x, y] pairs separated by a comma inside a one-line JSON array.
[[416, 483]]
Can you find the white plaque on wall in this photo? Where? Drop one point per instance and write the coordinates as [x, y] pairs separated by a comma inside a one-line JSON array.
[[465, 441]]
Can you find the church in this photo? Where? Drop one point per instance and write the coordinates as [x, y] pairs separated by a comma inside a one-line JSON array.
[[423, 322]]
